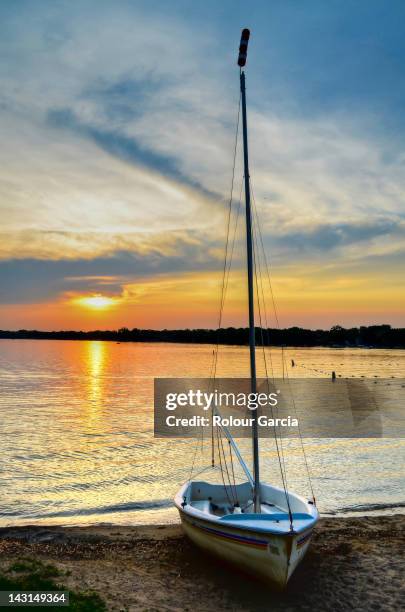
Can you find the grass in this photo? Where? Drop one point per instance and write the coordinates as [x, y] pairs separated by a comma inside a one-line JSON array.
[[34, 567], [32, 575]]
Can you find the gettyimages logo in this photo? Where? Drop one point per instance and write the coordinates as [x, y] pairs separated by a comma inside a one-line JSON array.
[[217, 399]]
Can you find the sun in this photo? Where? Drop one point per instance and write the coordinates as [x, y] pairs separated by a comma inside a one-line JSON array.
[[98, 302]]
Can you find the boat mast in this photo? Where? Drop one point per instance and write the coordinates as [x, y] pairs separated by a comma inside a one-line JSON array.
[[250, 263]]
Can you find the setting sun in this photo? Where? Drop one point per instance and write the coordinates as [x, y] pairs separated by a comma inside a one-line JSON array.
[[96, 301]]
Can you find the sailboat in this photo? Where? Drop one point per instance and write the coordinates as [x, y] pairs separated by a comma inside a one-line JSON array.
[[261, 528]]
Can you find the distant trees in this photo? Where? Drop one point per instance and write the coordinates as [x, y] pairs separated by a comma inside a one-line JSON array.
[[383, 336]]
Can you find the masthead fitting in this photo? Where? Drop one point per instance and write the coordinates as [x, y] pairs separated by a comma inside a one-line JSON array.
[[244, 39]]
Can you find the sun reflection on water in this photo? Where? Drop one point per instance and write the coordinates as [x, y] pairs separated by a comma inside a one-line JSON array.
[[96, 358]]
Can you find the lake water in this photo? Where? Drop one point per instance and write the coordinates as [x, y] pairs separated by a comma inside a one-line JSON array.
[[77, 440]]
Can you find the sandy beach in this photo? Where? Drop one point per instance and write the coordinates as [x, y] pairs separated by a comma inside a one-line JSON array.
[[352, 564]]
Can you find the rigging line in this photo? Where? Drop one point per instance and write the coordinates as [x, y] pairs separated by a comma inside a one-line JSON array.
[[299, 432], [232, 488], [264, 303], [269, 278], [278, 326], [233, 472], [221, 468], [222, 301], [262, 293], [301, 439], [230, 259], [214, 362], [230, 205], [256, 216], [288, 382], [281, 459], [269, 281], [207, 467], [224, 286], [196, 447], [234, 493], [234, 237], [212, 440], [266, 263]]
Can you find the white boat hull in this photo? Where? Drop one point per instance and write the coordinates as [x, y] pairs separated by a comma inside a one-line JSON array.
[[269, 556]]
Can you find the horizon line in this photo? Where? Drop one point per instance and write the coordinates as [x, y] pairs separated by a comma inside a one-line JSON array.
[[124, 329]]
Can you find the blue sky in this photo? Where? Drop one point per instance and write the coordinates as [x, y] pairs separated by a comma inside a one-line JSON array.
[[118, 120]]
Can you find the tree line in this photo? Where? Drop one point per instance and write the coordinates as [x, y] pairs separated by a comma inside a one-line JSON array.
[[374, 336]]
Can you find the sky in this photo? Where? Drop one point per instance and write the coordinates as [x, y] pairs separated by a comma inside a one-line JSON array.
[[117, 122]]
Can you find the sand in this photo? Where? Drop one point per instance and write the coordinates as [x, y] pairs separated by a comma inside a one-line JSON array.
[[352, 564]]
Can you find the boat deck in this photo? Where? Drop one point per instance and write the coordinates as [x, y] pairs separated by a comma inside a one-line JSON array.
[[277, 522], [271, 517]]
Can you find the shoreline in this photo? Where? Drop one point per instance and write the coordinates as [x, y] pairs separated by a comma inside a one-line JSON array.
[[352, 563], [382, 336], [372, 511]]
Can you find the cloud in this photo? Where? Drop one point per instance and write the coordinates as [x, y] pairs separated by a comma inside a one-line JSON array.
[[34, 280], [123, 147], [334, 237], [119, 125]]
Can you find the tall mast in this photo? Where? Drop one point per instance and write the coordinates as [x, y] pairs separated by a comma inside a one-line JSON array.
[[250, 263]]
